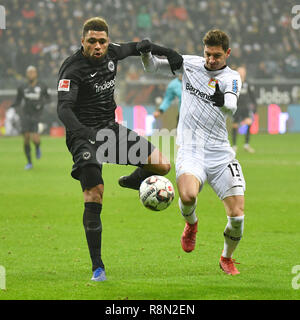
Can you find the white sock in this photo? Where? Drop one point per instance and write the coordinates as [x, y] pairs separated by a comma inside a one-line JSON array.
[[188, 212], [232, 235]]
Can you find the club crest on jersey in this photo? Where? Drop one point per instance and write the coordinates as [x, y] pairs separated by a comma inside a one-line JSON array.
[[111, 66], [212, 83], [86, 155], [64, 85]]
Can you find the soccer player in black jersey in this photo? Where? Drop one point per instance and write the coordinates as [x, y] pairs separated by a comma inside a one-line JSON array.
[[86, 106], [244, 113], [34, 94]]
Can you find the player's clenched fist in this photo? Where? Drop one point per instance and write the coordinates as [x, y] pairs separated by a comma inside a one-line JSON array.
[[144, 46]]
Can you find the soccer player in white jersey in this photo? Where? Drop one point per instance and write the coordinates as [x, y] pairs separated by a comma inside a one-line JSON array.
[[209, 94]]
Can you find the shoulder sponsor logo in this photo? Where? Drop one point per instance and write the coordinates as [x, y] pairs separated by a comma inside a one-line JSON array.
[[64, 85], [234, 86], [93, 74]]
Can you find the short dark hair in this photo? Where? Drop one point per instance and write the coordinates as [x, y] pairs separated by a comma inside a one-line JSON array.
[[96, 23], [216, 37]]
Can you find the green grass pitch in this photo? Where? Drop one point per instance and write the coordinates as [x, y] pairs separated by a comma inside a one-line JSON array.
[[44, 251]]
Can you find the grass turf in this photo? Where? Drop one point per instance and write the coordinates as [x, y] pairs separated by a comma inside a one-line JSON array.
[[45, 255]]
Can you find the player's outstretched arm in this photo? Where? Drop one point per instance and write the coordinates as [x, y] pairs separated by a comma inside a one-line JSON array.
[[124, 50], [153, 64]]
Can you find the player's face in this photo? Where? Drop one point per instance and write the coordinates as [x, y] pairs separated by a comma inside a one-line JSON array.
[[31, 74], [95, 44], [215, 57]]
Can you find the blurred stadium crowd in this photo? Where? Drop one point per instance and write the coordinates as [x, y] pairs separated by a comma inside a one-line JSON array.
[[44, 32]]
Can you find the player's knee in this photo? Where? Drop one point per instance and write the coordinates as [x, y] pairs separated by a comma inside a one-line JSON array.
[[165, 168], [236, 211], [188, 198], [161, 169], [248, 122], [94, 194], [26, 139]]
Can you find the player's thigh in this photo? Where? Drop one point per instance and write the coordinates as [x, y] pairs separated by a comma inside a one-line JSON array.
[[26, 124], [190, 174], [26, 136], [227, 180], [85, 160], [129, 147], [35, 137], [188, 188]]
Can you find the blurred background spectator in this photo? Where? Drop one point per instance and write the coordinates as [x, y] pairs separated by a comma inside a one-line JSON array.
[[44, 32]]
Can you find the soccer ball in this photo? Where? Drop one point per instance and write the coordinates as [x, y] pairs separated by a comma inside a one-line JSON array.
[[156, 193]]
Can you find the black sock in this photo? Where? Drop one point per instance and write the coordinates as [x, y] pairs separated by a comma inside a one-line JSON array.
[[247, 138], [139, 175], [37, 145], [234, 134], [27, 152], [93, 231]]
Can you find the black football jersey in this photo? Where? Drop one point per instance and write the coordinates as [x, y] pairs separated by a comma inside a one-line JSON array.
[[90, 86], [32, 98]]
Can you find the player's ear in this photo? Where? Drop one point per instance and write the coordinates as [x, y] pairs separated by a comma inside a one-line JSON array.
[[228, 52], [82, 40]]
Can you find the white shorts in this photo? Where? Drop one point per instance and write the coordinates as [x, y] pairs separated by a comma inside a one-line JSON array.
[[218, 167]]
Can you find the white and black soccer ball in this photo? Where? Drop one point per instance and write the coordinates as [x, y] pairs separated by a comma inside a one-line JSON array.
[[156, 193]]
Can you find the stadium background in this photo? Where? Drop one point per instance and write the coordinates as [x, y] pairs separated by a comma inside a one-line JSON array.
[[42, 242], [44, 33]]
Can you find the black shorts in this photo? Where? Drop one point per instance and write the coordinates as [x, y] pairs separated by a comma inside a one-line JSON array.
[[115, 144], [242, 114], [29, 123]]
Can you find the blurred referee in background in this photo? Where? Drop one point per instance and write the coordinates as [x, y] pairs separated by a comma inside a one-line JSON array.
[[32, 96], [245, 112]]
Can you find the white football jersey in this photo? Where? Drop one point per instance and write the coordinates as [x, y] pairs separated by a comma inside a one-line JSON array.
[[200, 122]]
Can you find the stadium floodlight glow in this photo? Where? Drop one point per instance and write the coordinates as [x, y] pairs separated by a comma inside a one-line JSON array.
[[2, 18]]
